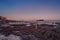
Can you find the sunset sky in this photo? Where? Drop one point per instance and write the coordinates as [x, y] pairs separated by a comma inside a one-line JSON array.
[[30, 9]]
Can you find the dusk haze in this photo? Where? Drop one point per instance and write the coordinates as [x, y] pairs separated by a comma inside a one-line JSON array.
[[30, 9]]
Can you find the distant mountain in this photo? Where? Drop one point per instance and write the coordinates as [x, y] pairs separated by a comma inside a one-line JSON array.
[[40, 20]]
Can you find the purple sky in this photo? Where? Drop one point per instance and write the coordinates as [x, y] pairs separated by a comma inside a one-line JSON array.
[[30, 9]]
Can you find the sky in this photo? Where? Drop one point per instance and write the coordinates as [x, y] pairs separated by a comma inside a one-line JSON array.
[[30, 9]]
